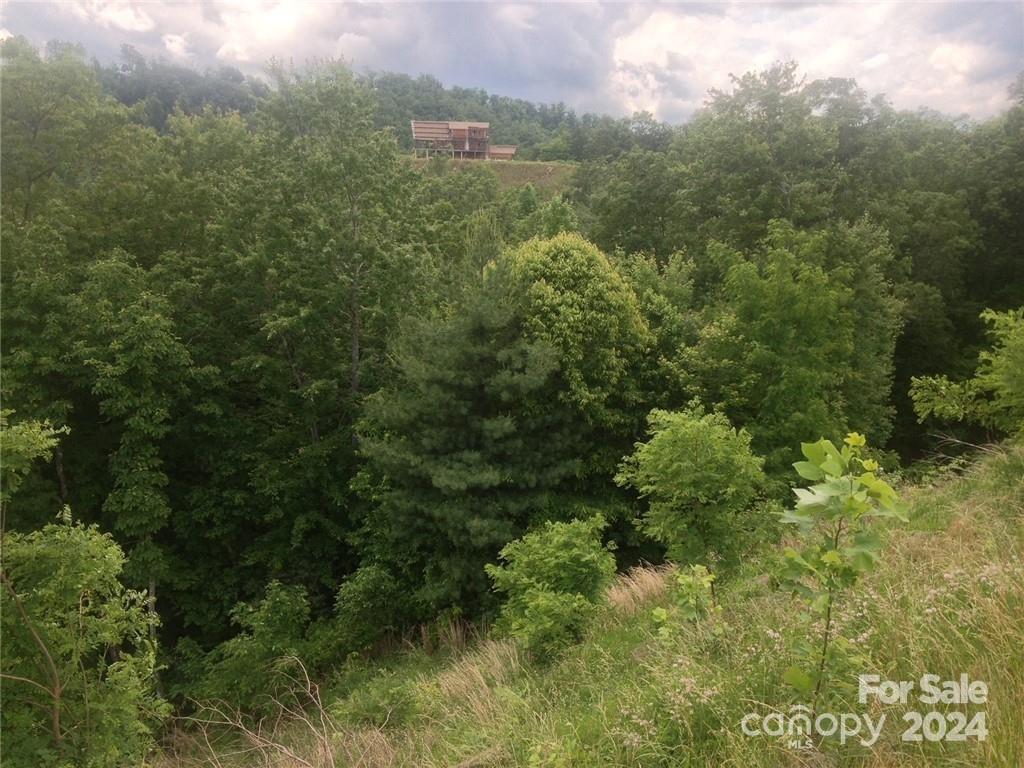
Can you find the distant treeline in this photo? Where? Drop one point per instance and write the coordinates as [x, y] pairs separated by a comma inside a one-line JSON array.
[[157, 87]]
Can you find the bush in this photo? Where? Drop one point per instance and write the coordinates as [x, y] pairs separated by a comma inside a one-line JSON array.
[[243, 669], [546, 621], [560, 557], [995, 396], [78, 668], [385, 700], [369, 604], [554, 578], [699, 475]]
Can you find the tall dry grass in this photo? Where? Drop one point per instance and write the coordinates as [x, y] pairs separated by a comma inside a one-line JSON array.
[[639, 587]]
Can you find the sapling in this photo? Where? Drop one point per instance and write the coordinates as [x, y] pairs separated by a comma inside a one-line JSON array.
[[835, 514], [694, 599]]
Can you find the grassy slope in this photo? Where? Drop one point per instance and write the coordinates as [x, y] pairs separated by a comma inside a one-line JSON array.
[[948, 598], [549, 178]]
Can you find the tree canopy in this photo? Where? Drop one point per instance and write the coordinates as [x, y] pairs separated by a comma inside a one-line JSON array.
[[300, 390]]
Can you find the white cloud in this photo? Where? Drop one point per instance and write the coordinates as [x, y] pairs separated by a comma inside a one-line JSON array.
[[177, 45], [355, 47], [122, 15], [608, 57], [879, 60], [234, 51], [957, 60], [518, 16], [886, 47], [257, 30]]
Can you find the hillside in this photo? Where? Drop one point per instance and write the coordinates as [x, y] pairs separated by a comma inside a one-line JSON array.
[[946, 599], [274, 393], [549, 179]]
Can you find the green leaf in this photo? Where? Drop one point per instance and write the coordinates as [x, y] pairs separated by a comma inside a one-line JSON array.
[[808, 499], [798, 679], [808, 470], [832, 466], [820, 603], [815, 452], [796, 517], [832, 558]]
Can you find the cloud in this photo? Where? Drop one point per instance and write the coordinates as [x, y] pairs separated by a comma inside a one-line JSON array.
[[126, 16], [176, 45], [902, 50], [613, 57], [518, 16]]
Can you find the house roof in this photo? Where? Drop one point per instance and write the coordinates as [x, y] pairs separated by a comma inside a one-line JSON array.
[[430, 130], [440, 130]]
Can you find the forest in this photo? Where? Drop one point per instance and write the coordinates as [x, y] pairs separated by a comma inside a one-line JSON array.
[[272, 390]]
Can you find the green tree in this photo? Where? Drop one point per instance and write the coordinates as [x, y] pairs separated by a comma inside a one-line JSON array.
[[754, 154], [24, 443], [575, 300], [505, 412], [631, 200], [811, 320], [699, 477], [77, 668], [137, 367], [836, 516], [995, 396]]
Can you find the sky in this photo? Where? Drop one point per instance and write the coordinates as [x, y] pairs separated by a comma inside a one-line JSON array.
[[613, 58]]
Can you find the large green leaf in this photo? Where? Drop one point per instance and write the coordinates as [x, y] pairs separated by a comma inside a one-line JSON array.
[[808, 470], [798, 679], [815, 452]]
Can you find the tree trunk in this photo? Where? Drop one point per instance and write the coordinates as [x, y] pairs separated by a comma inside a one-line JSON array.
[[62, 480]]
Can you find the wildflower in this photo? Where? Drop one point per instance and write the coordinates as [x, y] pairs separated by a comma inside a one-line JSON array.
[[870, 465], [708, 694], [855, 440]]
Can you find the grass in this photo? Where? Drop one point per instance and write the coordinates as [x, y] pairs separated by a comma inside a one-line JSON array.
[[548, 178], [947, 599]]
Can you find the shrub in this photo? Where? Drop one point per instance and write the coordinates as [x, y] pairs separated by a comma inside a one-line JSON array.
[[546, 621], [561, 557], [995, 396], [386, 700], [369, 604], [78, 668], [553, 578], [242, 670], [699, 476], [694, 601]]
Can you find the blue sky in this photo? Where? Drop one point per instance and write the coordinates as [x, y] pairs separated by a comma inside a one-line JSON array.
[[958, 58]]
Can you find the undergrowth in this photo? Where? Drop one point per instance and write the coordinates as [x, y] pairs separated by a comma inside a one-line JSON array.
[[947, 598]]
